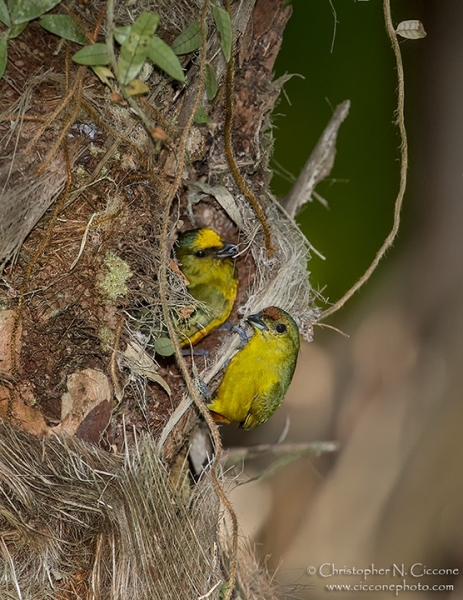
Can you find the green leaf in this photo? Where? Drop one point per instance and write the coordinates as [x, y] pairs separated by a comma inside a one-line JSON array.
[[96, 54], [63, 26], [4, 14], [135, 48], [3, 54], [164, 346], [210, 82], [122, 33], [16, 30], [23, 11], [224, 27], [163, 56], [201, 117], [189, 40]]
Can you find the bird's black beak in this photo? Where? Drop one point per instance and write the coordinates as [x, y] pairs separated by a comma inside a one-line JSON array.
[[228, 250], [256, 321]]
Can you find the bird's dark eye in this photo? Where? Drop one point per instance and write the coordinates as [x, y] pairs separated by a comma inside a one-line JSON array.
[[200, 254], [280, 327]]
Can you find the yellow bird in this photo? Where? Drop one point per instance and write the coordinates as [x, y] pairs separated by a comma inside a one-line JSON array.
[[258, 376], [205, 260]]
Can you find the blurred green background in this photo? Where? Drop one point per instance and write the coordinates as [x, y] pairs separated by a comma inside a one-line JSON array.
[[341, 49]]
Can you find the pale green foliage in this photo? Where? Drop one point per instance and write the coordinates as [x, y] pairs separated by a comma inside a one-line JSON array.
[[163, 56], [16, 16], [23, 11], [164, 346], [63, 26], [224, 27], [16, 30], [122, 33], [210, 82], [96, 54], [4, 14], [134, 49], [138, 42], [3, 54], [201, 116], [189, 40]]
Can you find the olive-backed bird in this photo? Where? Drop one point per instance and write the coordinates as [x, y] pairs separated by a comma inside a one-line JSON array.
[[258, 376], [206, 261]]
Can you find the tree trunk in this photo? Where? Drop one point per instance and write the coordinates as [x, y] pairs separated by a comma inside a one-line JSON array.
[[91, 505]]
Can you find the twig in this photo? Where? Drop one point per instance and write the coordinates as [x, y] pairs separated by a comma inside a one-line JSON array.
[[286, 454], [319, 164], [316, 448]]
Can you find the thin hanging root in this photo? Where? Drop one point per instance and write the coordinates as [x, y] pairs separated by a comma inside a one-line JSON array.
[[65, 129], [23, 118], [67, 70], [163, 286], [229, 115], [170, 128], [90, 36], [403, 168], [99, 23], [50, 120]]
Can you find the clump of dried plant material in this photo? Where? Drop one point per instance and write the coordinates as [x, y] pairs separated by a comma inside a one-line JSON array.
[[77, 520]]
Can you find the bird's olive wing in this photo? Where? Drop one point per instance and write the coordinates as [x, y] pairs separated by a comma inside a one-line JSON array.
[[264, 404]]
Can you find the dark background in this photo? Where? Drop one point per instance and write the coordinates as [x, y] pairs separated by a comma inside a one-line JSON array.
[[391, 393], [347, 56]]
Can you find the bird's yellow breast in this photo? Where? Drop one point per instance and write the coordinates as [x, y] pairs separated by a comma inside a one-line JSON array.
[[256, 380]]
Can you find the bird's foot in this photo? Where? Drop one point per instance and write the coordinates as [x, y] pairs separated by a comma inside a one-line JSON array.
[[242, 335], [204, 389], [188, 352]]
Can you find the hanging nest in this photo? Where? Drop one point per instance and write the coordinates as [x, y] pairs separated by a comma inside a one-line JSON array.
[[96, 499]]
